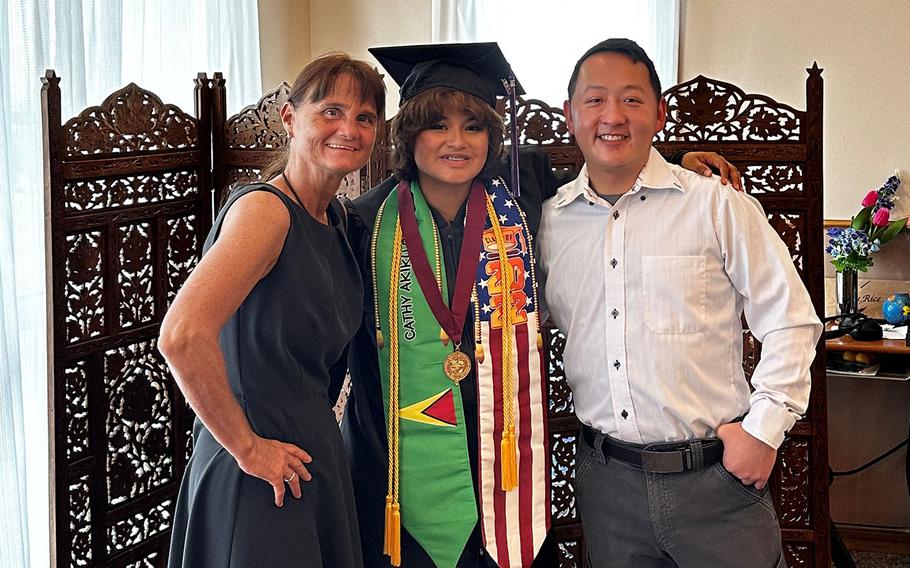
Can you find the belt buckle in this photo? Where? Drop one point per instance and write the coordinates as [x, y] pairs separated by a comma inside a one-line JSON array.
[[668, 461], [687, 458]]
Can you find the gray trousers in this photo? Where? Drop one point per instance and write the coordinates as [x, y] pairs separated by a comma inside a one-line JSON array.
[[695, 519]]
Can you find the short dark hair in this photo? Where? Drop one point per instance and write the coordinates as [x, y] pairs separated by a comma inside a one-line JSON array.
[[626, 47], [425, 109]]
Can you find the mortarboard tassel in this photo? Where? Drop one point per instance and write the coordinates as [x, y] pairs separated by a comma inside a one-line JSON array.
[[513, 124]]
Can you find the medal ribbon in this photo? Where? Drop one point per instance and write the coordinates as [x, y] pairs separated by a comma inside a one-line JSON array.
[[451, 320]]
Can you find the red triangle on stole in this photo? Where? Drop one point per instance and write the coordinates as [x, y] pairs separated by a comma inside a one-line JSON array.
[[442, 409]]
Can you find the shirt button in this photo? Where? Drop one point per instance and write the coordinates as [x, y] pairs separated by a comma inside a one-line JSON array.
[[613, 262], [624, 414], [617, 364], [590, 203], [616, 214], [615, 313], [643, 197]]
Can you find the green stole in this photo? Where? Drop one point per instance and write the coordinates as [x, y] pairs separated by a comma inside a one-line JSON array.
[[436, 490]]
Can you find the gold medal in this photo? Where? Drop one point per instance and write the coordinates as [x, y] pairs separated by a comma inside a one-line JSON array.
[[456, 365]]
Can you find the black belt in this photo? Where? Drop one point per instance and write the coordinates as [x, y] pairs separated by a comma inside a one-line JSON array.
[[673, 457]]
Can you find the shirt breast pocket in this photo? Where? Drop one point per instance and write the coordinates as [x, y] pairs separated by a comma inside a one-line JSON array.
[[673, 291]]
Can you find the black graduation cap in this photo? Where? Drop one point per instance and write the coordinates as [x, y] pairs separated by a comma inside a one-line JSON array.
[[475, 68]]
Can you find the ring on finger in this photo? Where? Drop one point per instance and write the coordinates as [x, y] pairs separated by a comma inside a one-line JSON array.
[[290, 479]]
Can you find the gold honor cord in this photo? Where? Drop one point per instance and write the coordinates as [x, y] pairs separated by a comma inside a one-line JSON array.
[[443, 336], [508, 444], [392, 545], [380, 342]]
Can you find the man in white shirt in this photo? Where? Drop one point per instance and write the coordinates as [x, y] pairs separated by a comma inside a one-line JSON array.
[[648, 270]]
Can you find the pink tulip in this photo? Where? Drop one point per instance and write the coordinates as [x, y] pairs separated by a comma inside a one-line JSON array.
[[870, 198], [881, 217]]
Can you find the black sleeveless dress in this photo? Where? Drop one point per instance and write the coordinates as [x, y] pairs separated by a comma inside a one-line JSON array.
[[285, 354]]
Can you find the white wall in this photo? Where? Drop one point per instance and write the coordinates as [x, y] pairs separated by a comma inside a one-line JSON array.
[[284, 40], [354, 25], [864, 49], [764, 47]]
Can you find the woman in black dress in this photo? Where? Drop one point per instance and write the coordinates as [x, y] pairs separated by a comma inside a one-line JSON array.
[[256, 341]]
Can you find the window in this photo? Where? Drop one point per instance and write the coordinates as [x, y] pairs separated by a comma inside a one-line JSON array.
[[543, 40]]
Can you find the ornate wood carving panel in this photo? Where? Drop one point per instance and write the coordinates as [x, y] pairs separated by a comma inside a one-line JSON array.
[[129, 120], [130, 204], [110, 193], [259, 126], [706, 110]]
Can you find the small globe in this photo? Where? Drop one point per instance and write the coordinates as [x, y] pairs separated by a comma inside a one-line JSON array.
[[896, 309]]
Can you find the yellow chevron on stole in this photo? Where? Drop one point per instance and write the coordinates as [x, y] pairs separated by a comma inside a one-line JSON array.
[[437, 410]]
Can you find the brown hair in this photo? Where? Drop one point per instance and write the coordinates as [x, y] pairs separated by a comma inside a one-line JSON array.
[[427, 108], [317, 80]]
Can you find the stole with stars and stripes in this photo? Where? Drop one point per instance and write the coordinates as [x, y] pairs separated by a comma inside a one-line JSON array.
[[514, 523]]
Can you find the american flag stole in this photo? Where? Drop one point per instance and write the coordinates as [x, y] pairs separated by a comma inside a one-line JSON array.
[[513, 523]]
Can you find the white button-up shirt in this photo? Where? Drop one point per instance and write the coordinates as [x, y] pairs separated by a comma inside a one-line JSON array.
[[650, 292]]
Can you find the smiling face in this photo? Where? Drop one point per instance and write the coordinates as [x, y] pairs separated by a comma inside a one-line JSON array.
[[451, 152], [335, 134], [614, 114]]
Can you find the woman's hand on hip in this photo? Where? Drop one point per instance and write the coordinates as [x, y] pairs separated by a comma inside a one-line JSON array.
[[277, 463]]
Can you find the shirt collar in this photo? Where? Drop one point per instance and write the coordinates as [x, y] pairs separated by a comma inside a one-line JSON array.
[[657, 174]]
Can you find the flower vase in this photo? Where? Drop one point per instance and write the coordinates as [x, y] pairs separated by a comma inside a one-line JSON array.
[[847, 294]]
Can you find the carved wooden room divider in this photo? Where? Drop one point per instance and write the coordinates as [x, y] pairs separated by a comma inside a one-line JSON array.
[[131, 193], [130, 203]]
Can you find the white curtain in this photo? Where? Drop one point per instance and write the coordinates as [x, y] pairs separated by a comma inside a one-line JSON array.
[[95, 46], [543, 40]]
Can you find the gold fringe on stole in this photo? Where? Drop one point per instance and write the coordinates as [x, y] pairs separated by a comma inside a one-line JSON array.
[[508, 447]]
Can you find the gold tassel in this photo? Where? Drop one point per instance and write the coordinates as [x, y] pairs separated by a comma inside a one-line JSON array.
[[478, 353], [395, 553], [513, 453], [444, 337], [539, 342], [508, 448], [380, 341], [388, 525], [506, 470]]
